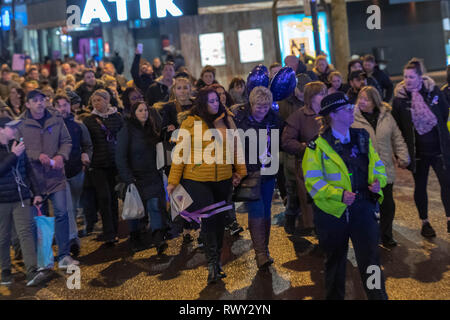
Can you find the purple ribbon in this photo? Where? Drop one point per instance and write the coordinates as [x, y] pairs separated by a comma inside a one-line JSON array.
[[197, 215]]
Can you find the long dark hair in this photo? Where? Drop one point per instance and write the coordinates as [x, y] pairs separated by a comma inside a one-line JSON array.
[[229, 101], [201, 107], [126, 98], [152, 126]]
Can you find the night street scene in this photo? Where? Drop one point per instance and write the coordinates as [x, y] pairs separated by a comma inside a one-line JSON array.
[[222, 158]]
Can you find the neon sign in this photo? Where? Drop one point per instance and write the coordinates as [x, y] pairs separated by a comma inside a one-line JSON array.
[[97, 9]]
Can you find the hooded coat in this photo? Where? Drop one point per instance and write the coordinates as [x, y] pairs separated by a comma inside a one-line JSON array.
[[386, 139], [401, 112]]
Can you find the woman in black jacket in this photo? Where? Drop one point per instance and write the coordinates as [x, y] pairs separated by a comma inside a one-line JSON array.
[[103, 124], [421, 112], [136, 163], [258, 115]]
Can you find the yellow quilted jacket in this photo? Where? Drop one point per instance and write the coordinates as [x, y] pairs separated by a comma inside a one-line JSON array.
[[204, 172]]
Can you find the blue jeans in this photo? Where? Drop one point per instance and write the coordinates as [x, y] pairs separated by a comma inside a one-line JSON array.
[[154, 214], [262, 207], [76, 188], [59, 202]]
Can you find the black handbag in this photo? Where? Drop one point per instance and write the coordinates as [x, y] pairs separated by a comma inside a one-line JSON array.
[[249, 189]]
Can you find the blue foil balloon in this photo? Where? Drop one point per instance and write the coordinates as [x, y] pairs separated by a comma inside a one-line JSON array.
[[283, 84], [256, 78], [261, 67]]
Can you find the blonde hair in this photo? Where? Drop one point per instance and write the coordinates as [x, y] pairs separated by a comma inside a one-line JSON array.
[[334, 74], [312, 89], [260, 95], [374, 96], [320, 57], [108, 80]]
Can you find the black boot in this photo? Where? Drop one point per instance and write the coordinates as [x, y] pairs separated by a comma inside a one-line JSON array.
[[213, 275], [212, 257], [158, 240], [289, 224], [220, 273], [136, 244]]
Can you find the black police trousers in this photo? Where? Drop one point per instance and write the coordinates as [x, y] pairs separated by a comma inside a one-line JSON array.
[[361, 226]]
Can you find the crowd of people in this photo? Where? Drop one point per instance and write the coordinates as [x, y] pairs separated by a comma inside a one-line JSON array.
[[77, 136]]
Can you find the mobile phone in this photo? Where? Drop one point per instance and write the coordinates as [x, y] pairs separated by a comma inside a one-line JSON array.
[[140, 48], [21, 139]]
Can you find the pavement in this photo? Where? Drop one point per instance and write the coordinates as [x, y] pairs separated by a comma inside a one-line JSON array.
[[417, 268]]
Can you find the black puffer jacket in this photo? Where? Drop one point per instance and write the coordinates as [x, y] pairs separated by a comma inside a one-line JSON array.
[[245, 121], [104, 151], [136, 160], [435, 100], [11, 167]]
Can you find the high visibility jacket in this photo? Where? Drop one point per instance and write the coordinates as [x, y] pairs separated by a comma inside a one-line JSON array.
[[327, 176]]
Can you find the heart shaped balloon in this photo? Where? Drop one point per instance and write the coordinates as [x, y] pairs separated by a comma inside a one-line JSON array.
[[258, 77], [283, 84]]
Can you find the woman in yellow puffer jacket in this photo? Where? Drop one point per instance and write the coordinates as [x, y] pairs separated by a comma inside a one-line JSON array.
[[207, 178]]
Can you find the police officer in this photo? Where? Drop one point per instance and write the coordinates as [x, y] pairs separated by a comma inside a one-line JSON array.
[[344, 176]]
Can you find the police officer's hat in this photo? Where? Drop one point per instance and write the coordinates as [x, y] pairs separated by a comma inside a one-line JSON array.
[[333, 102]]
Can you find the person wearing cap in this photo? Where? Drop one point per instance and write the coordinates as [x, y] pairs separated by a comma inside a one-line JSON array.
[[344, 176], [357, 65], [79, 158], [357, 80], [302, 126], [48, 145], [18, 190]]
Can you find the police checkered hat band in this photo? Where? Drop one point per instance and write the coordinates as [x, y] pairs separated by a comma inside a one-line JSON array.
[[333, 102]]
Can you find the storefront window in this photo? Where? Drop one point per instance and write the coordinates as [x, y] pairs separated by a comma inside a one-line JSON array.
[[212, 49]]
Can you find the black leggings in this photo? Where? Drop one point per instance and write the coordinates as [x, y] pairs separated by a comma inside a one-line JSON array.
[[387, 213], [421, 180], [205, 194]]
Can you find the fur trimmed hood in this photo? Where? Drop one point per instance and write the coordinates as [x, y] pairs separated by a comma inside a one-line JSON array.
[[401, 92]]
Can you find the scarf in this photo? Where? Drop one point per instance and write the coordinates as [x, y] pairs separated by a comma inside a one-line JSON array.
[[423, 118], [109, 111]]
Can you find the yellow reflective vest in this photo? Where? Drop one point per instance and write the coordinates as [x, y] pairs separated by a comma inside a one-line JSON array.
[[327, 176]]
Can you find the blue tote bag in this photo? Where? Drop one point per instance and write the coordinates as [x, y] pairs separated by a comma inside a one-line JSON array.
[[45, 227]]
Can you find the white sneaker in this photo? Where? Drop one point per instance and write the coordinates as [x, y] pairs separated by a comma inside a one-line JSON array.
[[67, 261]]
